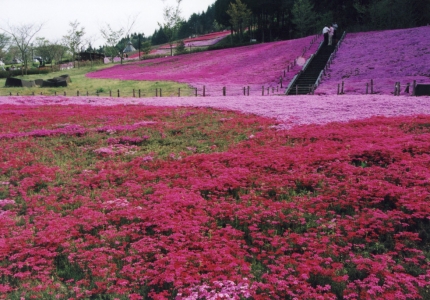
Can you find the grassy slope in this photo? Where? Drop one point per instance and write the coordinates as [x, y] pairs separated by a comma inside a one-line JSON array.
[[83, 84]]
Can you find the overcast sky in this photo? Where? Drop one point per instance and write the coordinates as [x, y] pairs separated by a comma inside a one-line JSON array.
[[92, 15]]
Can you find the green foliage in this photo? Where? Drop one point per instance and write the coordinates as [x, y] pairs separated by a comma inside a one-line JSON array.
[[145, 47], [240, 16], [158, 37], [112, 37], [258, 269], [303, 17], [74, 37], [172, 22], [12, 73], [221, 16], [4, 41], [391, 14], [67, 270], [199, 23], [180, 48]]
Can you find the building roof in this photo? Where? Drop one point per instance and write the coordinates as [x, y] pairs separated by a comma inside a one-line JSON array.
[[129, 48]]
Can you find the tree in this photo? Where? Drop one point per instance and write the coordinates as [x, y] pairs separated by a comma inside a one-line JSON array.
[[239, 17], [390, 14], [221, 16], [74, 38], [44, 50], [180, 47], [112, 37], [50, 52], [158, 37], [12, 53], [89, 41], [303, 16], [22, 36], [4, 42], [421, 11], [59, 50], [146, 47], [172, 21]]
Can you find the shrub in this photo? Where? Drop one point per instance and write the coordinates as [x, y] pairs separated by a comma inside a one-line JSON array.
[[6, 74]]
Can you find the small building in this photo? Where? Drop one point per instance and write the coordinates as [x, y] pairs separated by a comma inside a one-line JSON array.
[[129, 48], [87, 56]]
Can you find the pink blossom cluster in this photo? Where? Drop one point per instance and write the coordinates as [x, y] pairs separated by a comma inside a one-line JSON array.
[[66, 66], [66, 130], [116, 149], [226, 289], [254, 66], [4, 202], [386, 57]]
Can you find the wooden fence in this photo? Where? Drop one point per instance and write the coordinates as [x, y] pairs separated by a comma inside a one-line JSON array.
[[371, 87], [159, 92]]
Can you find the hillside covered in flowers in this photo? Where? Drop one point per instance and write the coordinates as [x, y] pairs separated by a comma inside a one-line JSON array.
[[386, 57], [234, 68]]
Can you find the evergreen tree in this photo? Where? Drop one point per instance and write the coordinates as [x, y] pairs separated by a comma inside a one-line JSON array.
[[180, 47], [239, 17], [303, 16], [159, 37]]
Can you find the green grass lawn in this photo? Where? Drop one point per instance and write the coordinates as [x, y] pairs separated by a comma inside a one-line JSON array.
[[103, 86]]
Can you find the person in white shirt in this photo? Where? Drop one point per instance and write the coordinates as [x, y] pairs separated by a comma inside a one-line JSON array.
[[325, 33]]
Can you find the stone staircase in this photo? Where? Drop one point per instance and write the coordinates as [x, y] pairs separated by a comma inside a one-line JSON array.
[[305, 80], [308, 79]]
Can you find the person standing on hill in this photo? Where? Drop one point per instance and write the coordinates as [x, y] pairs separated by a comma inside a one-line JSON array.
[[325, 33], [330, 35], [335, 32]]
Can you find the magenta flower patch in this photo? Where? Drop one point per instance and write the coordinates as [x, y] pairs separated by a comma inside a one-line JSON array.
[[235, 68], [386, 57]]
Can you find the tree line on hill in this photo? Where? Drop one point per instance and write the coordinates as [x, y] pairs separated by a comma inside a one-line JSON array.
[[271, 20], [285, 19]]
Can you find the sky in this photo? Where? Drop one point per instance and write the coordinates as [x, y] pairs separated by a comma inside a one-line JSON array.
[[93, 15]]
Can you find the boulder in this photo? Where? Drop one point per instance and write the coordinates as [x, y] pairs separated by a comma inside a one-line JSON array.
[[60, 81], [39, 82], [67, 78], [422, 90], [15, 82], [55, 82], [28, 83]]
